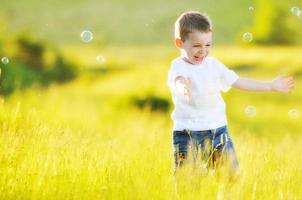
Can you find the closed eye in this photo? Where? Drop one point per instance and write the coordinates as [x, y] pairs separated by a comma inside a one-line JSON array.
[[208, 45]]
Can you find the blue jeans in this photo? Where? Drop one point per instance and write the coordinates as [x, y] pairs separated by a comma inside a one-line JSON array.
[[210, 146]]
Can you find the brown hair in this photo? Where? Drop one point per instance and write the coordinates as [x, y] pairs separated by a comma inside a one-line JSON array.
[[191, 21]]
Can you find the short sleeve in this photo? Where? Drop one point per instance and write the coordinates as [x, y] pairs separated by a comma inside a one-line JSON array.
[[226, 76]]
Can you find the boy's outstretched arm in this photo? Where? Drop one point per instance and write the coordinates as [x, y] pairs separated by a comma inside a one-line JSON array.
[[280, 84]]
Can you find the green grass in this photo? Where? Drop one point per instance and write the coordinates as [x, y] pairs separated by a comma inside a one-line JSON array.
[[85, 140]]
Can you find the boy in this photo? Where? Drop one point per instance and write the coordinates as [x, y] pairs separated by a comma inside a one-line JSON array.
[[195, 81]]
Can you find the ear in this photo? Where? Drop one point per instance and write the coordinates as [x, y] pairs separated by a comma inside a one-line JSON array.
[[178, 42]]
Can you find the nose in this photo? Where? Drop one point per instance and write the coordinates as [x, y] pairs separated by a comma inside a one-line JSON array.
[[202, 50]]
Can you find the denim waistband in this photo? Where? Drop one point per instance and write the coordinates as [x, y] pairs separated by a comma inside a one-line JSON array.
[[204, 131]]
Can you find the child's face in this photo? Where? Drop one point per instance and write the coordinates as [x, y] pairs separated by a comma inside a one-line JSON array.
[[196, 47]]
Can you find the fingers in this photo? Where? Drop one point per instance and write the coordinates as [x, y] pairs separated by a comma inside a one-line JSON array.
[[184, 80], [287, 82], [290, 82], [188, 83], [291, 86], [289, 79], [285, 78]]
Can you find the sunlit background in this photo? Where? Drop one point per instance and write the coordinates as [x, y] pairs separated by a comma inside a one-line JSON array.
[[85, 109]]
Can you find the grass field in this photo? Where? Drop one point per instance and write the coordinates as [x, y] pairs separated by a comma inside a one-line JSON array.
[[87, 139]]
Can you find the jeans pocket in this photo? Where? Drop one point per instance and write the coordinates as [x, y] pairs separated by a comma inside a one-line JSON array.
[[179, 137]]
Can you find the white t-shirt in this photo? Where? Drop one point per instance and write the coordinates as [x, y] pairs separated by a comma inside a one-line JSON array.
[[206, 108]]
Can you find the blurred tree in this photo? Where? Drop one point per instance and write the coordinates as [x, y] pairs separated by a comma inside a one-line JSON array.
[[152, 102], [28, 65], [30, 53], [274, 23], [62, 71]]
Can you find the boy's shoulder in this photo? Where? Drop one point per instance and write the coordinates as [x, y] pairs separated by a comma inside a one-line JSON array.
[[214, 62], [176, 61], [177, 64]]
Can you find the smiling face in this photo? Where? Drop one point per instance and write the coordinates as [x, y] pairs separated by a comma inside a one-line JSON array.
[[196, 47]]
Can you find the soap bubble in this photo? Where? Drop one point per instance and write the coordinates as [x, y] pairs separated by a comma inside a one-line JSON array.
[[247, 37], [299, 15], [293, 113], [220, 195], [5, 60], [100, 59], [86, 36], [204, 166], [251, 8], [295, 10], [250, 111], [204, 169]]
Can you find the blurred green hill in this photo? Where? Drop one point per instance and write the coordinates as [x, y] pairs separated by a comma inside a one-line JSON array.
[[136, 21], [34, 33]]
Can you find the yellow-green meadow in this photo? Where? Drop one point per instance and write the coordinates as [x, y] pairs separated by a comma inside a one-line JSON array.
[[107, 133]]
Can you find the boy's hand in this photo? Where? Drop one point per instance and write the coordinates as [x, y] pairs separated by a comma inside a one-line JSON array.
[[283, 84], [186, 85]]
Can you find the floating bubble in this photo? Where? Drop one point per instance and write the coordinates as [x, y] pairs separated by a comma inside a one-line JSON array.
[[250, 111], [5, 60], [220, 195], [295, 10], [299, 15], [247, 37], [293, 113], [100, 58], [86, 36], [204, 166], [251, 8], [281, 195]]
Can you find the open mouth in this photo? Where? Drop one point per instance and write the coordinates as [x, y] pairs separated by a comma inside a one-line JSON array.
[[198, 58]]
